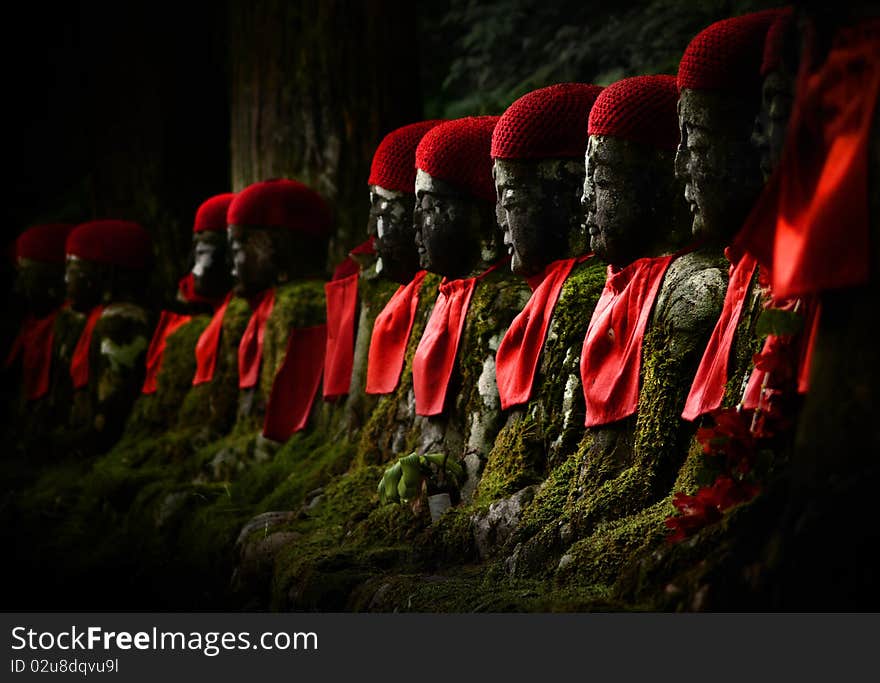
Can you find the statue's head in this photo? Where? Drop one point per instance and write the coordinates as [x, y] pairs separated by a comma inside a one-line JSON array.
[[392, 201], [779, 71], [39, 262], [278, 231], [633, 203], [720, 95], [538, 147], [107, 260], [210, 271], [454, 215]]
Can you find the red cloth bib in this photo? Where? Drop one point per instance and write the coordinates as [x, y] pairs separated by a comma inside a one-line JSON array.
[[516, 361], [438, 347], [79, 363], [169, 323], [341, 301], [250, 348], [824, 170], [390, 336], [611, 357], [707, 390], [187, 288], [208, 345], [34, 344], [296, 384]]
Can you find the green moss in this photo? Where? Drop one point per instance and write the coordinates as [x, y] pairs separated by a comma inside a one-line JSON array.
[[515, 461], [385, 424]]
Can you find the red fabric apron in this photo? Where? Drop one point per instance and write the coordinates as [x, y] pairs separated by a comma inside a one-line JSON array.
[[169, 323], [250, 348], [34, 343], [391, 332], [296, 384], [612, 352], [79, 362], [341, 301], [435, 355], [821, 185], [707, 390], [516, 361], [208, 345]]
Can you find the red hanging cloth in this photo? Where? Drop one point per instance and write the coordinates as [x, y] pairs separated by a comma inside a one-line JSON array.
[[516, 361], [208, 345], [612, 353], [341, 300], [79, 362], [707, 390], [169, 323], [436, 352], [34, 342], [250, 348], [390, 337], [296, 384]]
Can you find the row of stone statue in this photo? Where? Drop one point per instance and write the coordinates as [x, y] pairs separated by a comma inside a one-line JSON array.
[[645, 275]]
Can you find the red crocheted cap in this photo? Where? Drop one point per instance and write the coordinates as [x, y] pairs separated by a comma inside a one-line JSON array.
[[114, 242], [211, 215], [281, 203], [459, 152], [726, 56], [550, 123], [43, 242], [642, 109], [393, 166], [777, 37]]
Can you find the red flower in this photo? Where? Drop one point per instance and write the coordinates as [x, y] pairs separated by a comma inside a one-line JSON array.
[[705, 508], [731, 436]]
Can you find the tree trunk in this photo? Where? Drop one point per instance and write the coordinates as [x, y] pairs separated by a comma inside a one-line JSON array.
[[316, 84]]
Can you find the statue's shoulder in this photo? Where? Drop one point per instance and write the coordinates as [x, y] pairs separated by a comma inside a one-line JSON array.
[[693, 290]]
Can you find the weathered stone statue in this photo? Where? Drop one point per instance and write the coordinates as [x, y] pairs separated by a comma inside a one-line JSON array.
[[538, 147], [642, 342], [458, 238], [107, 264], [278, 232], [395, 331], [37, 365], [175, 352]]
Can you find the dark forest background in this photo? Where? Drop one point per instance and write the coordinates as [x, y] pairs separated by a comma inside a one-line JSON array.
[[142, 110]]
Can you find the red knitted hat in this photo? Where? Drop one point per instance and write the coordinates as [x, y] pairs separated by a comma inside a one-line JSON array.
[[281, 203], [394, 161], [211, 215], [43, 242], [114, 242], [777, 37], [459, 152], [550, 123], [642, 109], [726, 56]]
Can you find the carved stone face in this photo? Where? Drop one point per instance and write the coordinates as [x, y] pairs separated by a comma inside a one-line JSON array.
[[86, 282], [631, 200], [454, 232], [391, 222], [210, 270], [717, 162], [538, 211], [40, 284], [771, 124], [255, 259]]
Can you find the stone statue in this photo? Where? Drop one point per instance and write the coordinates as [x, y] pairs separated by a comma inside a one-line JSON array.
[[107, 265], [457, 237], [37, 365], [538, 148], [638, 222], [277, 232]]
